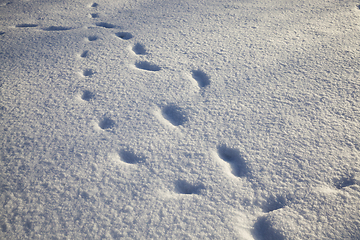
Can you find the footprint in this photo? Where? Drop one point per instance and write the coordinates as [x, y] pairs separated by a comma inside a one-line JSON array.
[[201, 77], [84, 195], [94, 5], [4, 227], [263, 230], [84, 54], [274, 203], [87, 95], [28, 227], [184, 187], [88, 72], [25, 25], [94, 15], [130, 157], [147, 66], [124, 35], [92, 38], [345, 182], [105, 25], [174, 115], [236, 161], [139, 49], [57, 28], [106, 123], [1, 33]]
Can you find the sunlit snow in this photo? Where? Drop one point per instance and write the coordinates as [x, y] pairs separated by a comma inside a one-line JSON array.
[[169, 119]]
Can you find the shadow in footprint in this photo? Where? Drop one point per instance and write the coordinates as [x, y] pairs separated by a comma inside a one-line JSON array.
[[139, 49], [130, 157], [84, 195], [94, 5], [88, 72], [105, 25], [87, 95], [174, 115], [1, 33], [106, 123], [274, 203], [92, 38], [263, 230], [4, 227], [184, 187], [26, 25], [84, 54], [236, 161], [201, 77], [57, 28], [344, 182], [94, 15], [28, 227], [124, 35], [147, 66]]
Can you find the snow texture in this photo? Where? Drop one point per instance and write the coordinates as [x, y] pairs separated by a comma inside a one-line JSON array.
[[169, 119]]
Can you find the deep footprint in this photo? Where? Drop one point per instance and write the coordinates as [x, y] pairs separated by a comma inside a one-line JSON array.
[[274, 203], [88, 72], [174, 115], [106, 123], [201, 77], [139, 49], [94, 5], [25, 25], [124, 35], [105, 25], [92, 38], [84, 54], [147, 66], [130, 157], [263, 230], [94, 15], [57, 28], [87, 95], [344, 182], [184, 187], [236, 161]]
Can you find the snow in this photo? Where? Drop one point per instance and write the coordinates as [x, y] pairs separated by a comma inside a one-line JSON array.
[[166, 119]]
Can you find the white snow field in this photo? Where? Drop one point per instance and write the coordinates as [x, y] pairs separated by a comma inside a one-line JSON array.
[[180, 119]]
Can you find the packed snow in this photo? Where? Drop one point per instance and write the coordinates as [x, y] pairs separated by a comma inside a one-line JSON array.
[[180, 119]]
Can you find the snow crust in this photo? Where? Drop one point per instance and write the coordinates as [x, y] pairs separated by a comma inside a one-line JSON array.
[[169, 119]]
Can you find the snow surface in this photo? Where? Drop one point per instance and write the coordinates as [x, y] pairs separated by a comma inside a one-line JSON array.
[[169, 119]]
